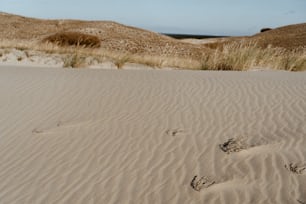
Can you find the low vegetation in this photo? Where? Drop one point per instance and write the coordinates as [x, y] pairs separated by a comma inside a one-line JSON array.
[[73, 61], [236, 56], [244, 55], [73, 39], [84, 43], [265, 30]]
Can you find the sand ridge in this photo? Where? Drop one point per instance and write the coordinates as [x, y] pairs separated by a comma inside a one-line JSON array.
[[135, 136]]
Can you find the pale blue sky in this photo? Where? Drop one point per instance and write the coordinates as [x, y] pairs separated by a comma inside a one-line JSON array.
[[216, 17]]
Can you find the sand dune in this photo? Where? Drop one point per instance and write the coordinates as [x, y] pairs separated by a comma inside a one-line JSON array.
[[105, 136], [96, 44], [19, 31]]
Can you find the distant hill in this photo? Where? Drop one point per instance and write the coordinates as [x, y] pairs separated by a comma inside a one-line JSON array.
[[118, 38], [191, 36], [113, 36], [289, 37]]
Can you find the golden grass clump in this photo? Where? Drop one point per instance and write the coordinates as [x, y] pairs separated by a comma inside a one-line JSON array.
[[74, 61], [244, 55], [73, 39]]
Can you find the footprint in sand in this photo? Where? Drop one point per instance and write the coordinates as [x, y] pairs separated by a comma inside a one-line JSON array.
[[174, 132], [37, 131], [296, 169], [40, 131], [199, 184], [60, 125], [234, 145]]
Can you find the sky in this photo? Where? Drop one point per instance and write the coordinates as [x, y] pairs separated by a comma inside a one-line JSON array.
[[206, 17]]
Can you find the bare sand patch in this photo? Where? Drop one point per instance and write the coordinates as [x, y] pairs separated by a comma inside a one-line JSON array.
[[136, 136]]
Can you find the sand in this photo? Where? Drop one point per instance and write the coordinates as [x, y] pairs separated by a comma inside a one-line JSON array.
[[32, 58], [141, 136]]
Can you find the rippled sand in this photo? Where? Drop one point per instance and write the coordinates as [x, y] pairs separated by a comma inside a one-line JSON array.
[[118, 136]]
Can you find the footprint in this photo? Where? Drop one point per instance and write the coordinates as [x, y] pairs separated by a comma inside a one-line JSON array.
[[59, 123], [233, 145], [203, 182], [60, 126], [296, 169], [173, 132], [40, 131], [37, 131]]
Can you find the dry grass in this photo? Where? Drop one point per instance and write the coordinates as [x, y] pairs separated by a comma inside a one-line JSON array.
[[118, 58], [121, 60], [99, 41], [237, 55], [243, 55], [74, 61], [73, 39]]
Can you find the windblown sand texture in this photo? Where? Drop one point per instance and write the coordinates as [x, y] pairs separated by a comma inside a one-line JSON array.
[[105, 136]]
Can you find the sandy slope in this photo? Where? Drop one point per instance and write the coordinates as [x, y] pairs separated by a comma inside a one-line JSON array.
[[109, 136], [19, 31]]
